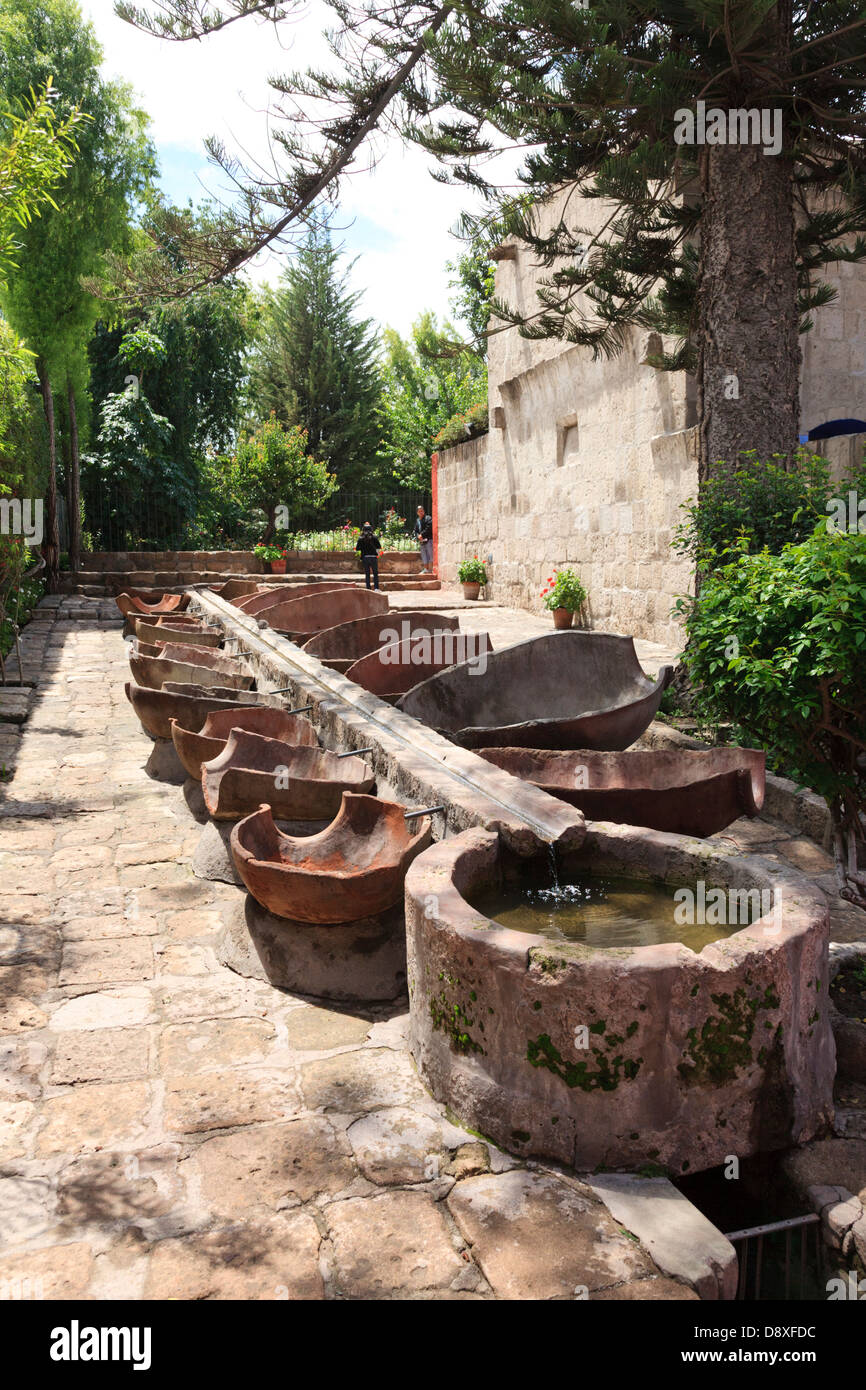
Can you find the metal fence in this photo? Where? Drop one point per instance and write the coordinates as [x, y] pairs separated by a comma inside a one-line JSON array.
[[113, 520], [781, 1260]]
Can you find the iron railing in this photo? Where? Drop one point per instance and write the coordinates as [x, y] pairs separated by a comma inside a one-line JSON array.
[[768, 1267]]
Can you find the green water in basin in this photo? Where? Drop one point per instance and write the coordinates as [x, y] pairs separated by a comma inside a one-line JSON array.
[[605, 912]]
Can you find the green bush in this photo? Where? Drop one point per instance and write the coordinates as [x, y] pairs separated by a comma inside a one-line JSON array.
[[462, 427], [777, 644], [760, 503]]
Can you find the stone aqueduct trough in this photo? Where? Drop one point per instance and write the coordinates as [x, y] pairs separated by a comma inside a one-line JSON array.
[[692, 1057]]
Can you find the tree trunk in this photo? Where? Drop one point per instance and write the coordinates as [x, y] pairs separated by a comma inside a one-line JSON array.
[[50, 540], [748, 339], [73, 482]]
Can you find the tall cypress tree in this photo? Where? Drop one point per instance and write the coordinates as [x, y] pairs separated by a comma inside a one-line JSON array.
[[315, 364]]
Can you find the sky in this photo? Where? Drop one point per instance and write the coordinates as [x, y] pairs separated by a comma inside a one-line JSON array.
[[395, 219]]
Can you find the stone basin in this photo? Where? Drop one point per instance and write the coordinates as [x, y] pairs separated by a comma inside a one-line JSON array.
[[188, 704], [562, 690], [393, 670], [142, 603], [155, 671], [621, 1057], [341, 646], [211, 657], [195, 748], [299, 618], [353, 869], [259, 602], [236, 588], [298, 782], [687, 791], [190, 632]]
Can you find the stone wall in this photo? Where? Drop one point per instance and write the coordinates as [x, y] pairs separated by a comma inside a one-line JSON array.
[[587, 462]]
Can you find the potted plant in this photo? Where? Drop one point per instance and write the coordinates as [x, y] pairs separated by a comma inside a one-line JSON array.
[[472, 575], [272, 557], [564, 596]]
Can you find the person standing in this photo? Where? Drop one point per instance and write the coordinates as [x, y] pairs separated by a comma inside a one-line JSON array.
[[424, 535], [369, 545]]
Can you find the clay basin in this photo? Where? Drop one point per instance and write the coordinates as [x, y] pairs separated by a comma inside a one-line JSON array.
[[246, 774], [393, 670], [281, 593], [353, 868], [301, 617], [162, 603], [193, 748], [196, 656], [236, 588], [156, 670], [188, 704], [190, 632], [563, 690], [689, 792], [341, 646]]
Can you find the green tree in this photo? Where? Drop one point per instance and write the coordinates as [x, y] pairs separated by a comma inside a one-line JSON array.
[[272, 469], [720, 242], [44, 300], [424, 388], [314, 364]]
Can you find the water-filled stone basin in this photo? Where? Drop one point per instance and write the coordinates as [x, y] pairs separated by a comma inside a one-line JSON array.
[[687, 791], [354, 868], [141, 603], [265, 598], [393, 670], [298, 782], [341, 646], [191, 633], [299, 618], [623, 1056], [188, 704], [195, 748], [563, 690], [155, 671]]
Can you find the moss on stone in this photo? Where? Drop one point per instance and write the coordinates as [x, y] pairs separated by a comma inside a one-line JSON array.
[[724, 1045], [605, 1076]]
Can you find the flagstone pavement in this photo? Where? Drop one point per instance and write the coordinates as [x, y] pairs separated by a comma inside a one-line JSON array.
[[169, 1129]]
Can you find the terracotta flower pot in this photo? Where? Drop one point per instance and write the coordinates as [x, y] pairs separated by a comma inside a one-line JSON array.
[[277, 566], [471, 590], [562, 617]]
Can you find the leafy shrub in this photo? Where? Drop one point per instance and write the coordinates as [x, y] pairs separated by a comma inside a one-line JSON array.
[[472, 571], [462, 427], [564, 590], [777, 643], [760, 502]]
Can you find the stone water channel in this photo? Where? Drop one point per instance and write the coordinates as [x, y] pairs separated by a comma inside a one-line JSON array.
[[172, 1128]]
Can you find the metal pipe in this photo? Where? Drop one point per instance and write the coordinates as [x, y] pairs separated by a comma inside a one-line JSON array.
[[773, 1226], [427, 811], [354, 752]]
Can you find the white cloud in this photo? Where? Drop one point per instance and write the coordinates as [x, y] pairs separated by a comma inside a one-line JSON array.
[[219, 87]]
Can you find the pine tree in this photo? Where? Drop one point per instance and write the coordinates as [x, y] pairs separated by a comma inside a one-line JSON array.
[[719, 243], [315, 364]]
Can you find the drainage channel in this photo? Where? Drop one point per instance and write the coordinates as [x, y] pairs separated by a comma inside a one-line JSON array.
[[525, 803]]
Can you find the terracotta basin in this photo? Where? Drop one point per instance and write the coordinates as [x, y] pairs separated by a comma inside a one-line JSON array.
[[393, 670], [196, 656], [353, 868], [260, 602], [156, 670], [561, 690], [161, 631], [339, 647], [193, 748], [246, 774], [188, 704], [236, 588], [164, 603], [689, 792], [308, 615]]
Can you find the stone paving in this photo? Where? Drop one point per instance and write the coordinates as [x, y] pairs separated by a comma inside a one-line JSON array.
[[171, 1130]]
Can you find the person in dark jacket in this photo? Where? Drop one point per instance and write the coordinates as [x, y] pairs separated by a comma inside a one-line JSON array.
[[369, 546], [424, 536]]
